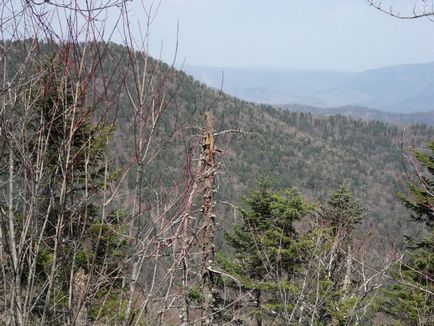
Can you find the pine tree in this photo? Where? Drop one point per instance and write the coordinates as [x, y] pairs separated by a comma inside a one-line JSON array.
[[339, 218], [410, 298], [268, 252], [70, 271]]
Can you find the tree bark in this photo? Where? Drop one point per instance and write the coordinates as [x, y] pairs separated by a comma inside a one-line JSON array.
[[208, 309]]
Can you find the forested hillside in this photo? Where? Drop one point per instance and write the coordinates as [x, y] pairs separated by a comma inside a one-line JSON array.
[[106, 173], [364, 113], [314, 153]]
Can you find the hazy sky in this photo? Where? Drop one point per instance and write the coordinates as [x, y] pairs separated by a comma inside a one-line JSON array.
[[307, 34]]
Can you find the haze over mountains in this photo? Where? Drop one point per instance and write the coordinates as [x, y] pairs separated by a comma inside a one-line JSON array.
[[395, 89], [364, 113]]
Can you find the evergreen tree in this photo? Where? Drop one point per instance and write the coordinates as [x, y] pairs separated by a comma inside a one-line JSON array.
[[410, 299], [339, 218], [72, 270], [268, 253]]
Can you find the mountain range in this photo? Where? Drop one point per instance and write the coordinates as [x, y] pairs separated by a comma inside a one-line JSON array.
[[397, 89]]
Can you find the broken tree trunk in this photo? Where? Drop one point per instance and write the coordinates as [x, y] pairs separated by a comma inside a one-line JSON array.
[[209, 173]]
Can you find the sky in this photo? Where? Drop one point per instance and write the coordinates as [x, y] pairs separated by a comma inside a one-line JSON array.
[[304, 34]]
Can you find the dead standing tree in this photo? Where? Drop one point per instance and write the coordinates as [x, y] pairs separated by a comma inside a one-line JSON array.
[[210, 167], [203, 234]]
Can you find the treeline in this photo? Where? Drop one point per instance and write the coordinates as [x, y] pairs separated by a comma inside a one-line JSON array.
[[364, 113]]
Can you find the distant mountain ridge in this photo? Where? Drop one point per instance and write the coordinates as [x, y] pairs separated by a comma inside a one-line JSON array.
[[270, 86], [399, 89], [404, 88], [366, 114]]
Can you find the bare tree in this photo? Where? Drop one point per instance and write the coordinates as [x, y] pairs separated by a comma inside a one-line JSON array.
[[71, 245], [405, 9]]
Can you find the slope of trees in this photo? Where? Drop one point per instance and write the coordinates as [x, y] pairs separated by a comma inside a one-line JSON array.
[[367, 114], [114, 198]]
